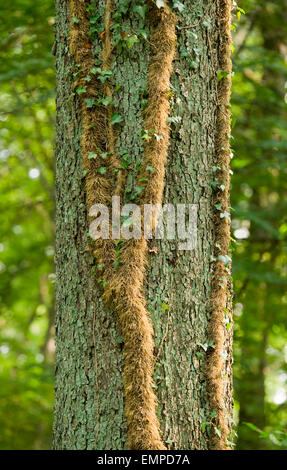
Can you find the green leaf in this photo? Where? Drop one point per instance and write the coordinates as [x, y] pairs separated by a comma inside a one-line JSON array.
[[90, 102], [107, 101], [218, 206], [159, 3], [81, 89], [95, 70], [140, 10], [126, 160], [174, 119], [145, 135], [150, 168], [225, 215], [102, 170], [116, 119], [221, 74], [225, 258], [158, 137], [203, 426], [253, 427], [217, 431], [92, 155], [165, 307], [131, 40], [117, 263], [178, 5], [143, 33], [137, 191]]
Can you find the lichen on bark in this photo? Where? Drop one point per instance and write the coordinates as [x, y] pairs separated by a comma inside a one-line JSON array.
[[93, 409]]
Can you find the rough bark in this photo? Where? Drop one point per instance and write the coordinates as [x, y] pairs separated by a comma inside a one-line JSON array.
[[89, 403]]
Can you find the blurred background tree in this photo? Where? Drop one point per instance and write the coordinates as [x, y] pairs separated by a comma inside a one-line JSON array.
[[27, 84], [259, 194]]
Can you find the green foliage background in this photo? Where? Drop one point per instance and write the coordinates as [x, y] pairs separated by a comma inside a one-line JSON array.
[[27, 84], [259, 225]]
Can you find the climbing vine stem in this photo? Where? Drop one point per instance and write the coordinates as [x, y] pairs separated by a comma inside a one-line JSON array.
[[221, 261]]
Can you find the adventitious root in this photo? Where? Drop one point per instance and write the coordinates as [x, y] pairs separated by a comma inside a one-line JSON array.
[[219, 292]]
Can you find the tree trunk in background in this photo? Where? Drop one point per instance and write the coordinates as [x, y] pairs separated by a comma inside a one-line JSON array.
[[256, 323], [251, 390], [89, 403]]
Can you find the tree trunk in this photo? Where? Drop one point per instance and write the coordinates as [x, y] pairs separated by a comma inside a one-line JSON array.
[[181, 287]]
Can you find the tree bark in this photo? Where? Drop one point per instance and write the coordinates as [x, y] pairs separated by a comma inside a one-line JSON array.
[[89, 405]]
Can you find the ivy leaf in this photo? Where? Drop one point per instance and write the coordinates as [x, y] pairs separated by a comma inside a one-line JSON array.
[[95, 70], [131, 40], [117, 263], [76, 20], [145, 135], [178, 5], [102, 170], [143, 33], [221, 74], [126, 160], [159, 3], [116, 118], [138, 190], [174, 119], [140, 10], [90, 7], [150, 168], [225, 215], [215, 168], [90, 102], [217, 431], [214, 183], [106, 101], [225, 258], [165, 307], [81, 89], [92, 155], [204, 425]]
